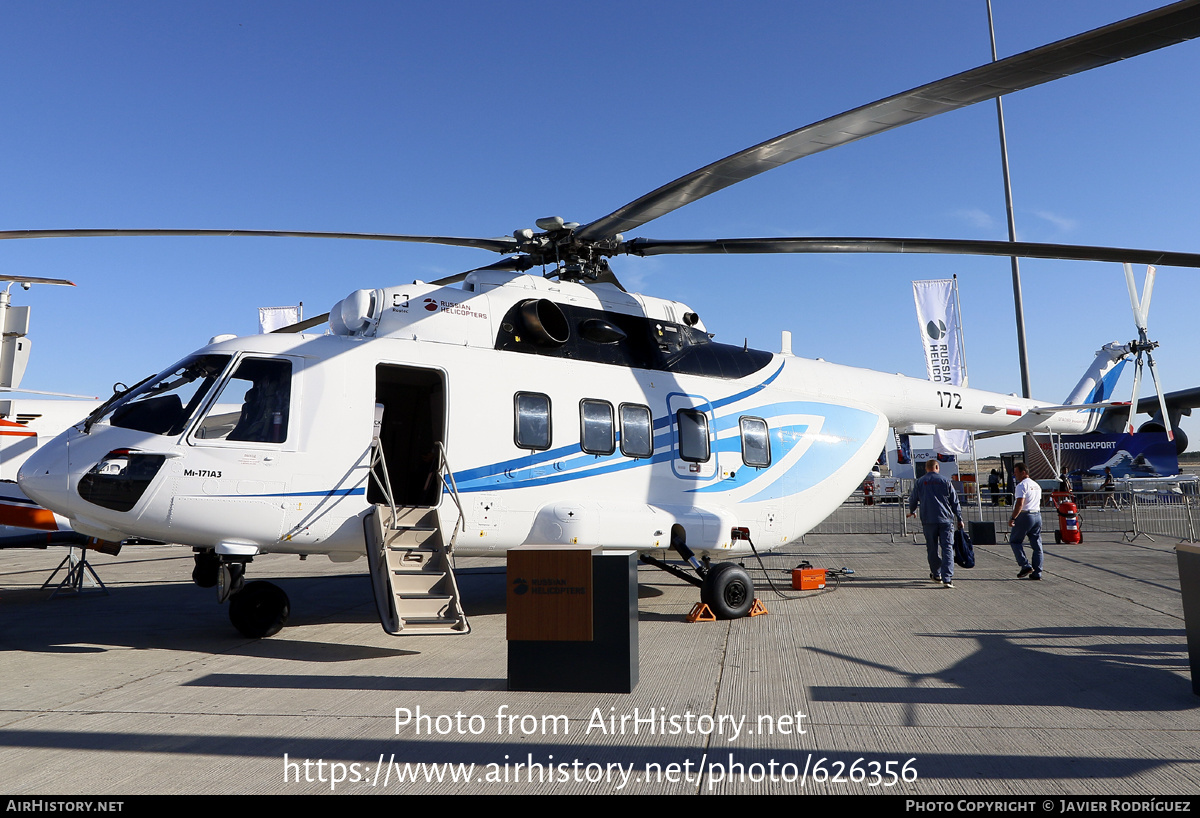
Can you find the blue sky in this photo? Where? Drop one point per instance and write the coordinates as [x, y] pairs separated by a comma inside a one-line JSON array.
[[476, 118]]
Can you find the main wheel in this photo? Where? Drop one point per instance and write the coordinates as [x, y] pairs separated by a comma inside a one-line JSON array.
[[207, 566], [728, 591], [259, 610]]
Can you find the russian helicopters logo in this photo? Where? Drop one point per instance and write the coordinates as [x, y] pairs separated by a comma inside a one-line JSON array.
[[545, 586], [451, 308], [936, 329]]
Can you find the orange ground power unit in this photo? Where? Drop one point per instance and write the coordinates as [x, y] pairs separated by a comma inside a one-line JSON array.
[[808, 579]]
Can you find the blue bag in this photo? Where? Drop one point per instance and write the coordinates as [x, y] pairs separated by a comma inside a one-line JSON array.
[[964, 551]]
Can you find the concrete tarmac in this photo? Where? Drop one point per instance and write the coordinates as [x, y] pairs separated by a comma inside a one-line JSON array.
[[1076, 685]]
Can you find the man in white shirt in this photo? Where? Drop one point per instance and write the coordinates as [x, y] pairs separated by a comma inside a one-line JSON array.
[[1026, 522]]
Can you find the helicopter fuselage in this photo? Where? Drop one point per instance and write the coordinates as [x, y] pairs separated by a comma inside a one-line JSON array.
[[553, 430]]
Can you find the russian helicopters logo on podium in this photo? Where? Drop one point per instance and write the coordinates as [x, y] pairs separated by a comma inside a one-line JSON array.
[[546, 585]]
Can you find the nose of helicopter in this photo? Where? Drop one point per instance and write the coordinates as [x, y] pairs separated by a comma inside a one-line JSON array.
[[43, 477]]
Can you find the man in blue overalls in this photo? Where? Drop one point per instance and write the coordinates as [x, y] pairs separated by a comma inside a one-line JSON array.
[[939, 512]]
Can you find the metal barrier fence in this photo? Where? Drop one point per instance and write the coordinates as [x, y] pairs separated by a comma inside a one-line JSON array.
[[1093, 516], [1170, 515], [868, 515], [1131, 514]]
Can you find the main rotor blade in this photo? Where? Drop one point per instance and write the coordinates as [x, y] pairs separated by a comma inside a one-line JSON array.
[[307, 323], [970, 247], [1147, 291], [1138, 320], [518, 264], [502, 244], [1128, 38]]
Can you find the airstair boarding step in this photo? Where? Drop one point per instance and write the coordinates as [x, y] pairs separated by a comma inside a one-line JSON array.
[[415, 582], [415, 627], [425, 606], [411, 573]]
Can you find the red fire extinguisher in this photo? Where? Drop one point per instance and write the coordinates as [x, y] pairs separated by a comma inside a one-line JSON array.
[[1068, 522]]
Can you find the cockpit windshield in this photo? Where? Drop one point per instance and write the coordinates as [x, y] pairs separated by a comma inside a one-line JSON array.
[[165, 404]]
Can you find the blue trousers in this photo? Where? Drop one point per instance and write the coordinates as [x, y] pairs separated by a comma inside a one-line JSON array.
[[939, 547], [1028, 525]]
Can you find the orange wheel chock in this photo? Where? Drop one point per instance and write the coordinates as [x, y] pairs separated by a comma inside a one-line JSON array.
[[701, 613], [757, 609]]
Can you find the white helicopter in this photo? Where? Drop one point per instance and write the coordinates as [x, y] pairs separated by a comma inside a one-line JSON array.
[[519, 409]]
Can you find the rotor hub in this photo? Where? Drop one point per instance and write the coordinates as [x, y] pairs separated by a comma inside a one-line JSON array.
[[572, 258]]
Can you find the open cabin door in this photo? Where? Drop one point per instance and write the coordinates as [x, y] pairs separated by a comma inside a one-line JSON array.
[[411, 570], [414, 412]]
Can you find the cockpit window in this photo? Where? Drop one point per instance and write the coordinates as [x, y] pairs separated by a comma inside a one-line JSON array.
[[164, 405], [253, 406]]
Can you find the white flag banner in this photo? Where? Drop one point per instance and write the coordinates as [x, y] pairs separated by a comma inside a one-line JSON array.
[[937, 316], [273, 318]]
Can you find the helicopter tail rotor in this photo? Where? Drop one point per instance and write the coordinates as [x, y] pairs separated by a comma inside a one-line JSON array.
[[1143, 345]]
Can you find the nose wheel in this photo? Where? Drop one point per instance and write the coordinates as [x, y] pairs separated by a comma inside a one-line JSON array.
[[260, 609], [257, 609]]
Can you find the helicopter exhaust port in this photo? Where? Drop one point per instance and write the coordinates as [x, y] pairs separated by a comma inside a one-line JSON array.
[[545, 322]]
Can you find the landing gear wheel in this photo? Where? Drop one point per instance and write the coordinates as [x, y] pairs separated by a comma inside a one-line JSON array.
[[728, 591], [208, 565], [259, 610]]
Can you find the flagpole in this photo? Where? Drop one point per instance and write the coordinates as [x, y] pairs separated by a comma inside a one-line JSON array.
[[963, 364]]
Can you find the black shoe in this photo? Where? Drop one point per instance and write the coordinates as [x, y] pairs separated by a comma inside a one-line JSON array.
[[948, 584], [1026, 571], [935, 577], [1035, 576]]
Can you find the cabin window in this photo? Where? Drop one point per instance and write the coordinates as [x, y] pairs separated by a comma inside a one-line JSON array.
[[637, 430], [693, 435], [254, 405], [532, 420], [756, 444], [596, 433]]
